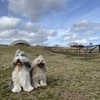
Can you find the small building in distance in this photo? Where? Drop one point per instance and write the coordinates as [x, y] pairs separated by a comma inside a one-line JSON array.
[[20, 42]]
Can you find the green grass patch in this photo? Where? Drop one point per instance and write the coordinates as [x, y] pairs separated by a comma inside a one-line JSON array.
[[69, 77]]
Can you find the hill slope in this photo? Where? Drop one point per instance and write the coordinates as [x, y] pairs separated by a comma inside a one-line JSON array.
[[68, 78]]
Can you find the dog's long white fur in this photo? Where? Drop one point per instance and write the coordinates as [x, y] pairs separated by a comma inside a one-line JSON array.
[[21, 76]]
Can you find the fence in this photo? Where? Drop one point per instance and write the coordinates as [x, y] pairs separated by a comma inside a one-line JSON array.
[[75, 50]]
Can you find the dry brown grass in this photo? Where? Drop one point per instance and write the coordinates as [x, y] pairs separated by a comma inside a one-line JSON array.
[[69, 77]]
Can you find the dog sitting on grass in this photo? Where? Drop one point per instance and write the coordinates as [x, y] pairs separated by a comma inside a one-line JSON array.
[[38, 72], [21, 73]]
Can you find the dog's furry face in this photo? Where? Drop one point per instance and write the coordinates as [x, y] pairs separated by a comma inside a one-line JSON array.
[[40, 62], [21, 59]]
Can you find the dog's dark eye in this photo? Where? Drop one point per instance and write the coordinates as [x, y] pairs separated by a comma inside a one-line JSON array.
[[23, 55], [38, 60], [41, 60]]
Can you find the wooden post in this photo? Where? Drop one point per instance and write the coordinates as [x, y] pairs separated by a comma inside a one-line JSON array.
[[79, 50], [99, 48], [87, 51]]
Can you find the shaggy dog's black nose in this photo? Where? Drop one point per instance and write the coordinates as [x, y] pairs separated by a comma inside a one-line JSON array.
[[18, 60]]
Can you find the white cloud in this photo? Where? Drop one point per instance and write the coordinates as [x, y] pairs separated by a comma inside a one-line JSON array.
[[86, 27], [82, 26], [94, 39], [35, 9], [89, 32], [81, 41], [70, 37], [97, 28], [8, 22], [84, 23], [51, 32], [33, 33], [82, 32], [7, 34], [78, 42]]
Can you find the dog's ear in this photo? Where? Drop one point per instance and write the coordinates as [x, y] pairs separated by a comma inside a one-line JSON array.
[[17, 52], [40, 56], [34, 63], [31, 72], [24, 54], [27, 64], [13, 64]]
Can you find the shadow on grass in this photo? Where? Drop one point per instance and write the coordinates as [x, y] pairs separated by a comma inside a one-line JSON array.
[[52, 81]]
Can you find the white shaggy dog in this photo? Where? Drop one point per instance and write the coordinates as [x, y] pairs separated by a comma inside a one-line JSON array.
[[38, 72], [21, 73]]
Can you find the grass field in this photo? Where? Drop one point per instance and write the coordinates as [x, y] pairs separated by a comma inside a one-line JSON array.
[[69, 77]]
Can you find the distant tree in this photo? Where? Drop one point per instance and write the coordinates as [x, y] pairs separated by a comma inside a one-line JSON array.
[[37, 45], [74, 44], [56, 45], [80, 45], [91, 44]]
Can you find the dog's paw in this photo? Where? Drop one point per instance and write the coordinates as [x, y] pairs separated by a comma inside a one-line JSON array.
[[37, 85], [15, 90], [29, 89], [43, 83]]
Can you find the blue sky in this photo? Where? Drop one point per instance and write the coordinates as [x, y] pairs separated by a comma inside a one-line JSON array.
[[50, 22]]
